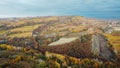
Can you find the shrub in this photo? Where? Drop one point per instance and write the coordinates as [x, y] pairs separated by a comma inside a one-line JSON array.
[[42, 65]]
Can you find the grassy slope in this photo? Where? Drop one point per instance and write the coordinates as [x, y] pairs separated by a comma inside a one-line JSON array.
[[27, 34], [2, 32], [25, 28], [26, 31], [114, 40]]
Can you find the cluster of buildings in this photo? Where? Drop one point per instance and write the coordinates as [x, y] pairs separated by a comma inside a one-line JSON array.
[[112, 26]]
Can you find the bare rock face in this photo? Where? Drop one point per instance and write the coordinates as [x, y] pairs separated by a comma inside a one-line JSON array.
[[99, 47], [63, 41]]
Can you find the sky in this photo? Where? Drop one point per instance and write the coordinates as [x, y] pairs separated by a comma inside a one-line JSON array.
[[87, 8]]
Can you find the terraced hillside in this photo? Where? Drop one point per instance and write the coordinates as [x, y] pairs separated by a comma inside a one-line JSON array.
[[43, 41]]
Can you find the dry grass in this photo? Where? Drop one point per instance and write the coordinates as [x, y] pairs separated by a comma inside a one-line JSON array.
[[114, 40], [25, 28], [25, 31], [27, 34], [2, 32]]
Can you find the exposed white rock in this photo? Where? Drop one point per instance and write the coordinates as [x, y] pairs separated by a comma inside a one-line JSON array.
[[63, 41]]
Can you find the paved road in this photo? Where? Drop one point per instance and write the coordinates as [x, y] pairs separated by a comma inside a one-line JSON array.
[[99, 47]]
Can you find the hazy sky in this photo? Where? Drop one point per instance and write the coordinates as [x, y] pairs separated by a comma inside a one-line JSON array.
[[88, 8]]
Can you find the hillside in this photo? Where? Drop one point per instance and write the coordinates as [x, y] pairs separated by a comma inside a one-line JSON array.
[[42, 41]]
